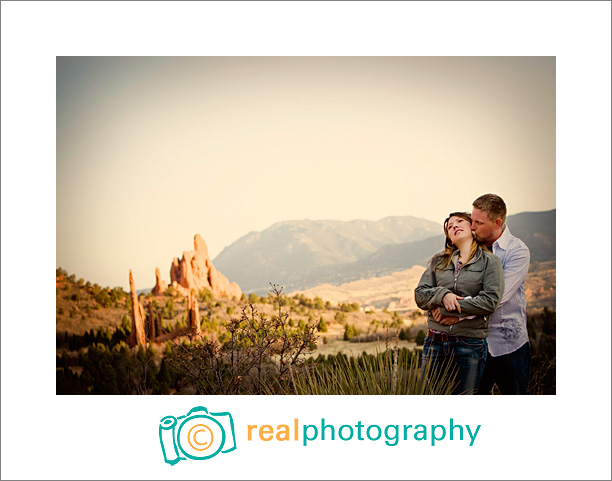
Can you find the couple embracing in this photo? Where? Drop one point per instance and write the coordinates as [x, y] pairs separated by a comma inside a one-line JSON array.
[[474, 292]]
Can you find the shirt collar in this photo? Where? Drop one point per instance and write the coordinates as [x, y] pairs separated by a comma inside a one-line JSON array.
[[504, 240]]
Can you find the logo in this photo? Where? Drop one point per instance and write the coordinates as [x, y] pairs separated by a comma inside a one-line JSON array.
[[197, 435]]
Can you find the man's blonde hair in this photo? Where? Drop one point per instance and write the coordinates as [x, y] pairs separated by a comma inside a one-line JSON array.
[[492, 205]]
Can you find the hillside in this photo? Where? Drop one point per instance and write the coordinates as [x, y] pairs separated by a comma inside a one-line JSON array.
[[82, 306], [93, 327], [300, 259], [289, 251], [539, 231], [396, 291], [536, 229]]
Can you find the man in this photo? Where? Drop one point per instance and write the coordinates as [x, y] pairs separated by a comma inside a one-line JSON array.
[[508, 357]]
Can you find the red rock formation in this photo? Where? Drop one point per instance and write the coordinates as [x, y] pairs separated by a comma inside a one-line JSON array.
[[160, 285], [193, 313], [196, 271], [137, 336]]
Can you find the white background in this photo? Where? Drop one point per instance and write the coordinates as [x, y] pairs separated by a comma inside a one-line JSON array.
[[566, 436]]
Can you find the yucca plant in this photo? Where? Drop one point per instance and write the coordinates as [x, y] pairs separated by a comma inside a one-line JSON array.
[[387, 372]]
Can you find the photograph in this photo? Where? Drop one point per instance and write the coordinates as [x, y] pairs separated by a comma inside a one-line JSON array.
[[306, 225]]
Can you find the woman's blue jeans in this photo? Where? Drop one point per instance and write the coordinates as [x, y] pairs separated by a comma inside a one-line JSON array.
[[466, 356]]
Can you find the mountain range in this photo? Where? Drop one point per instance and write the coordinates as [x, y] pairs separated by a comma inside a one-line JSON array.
[[306, 253]]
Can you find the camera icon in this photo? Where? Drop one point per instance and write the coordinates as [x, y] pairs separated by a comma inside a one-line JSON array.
[[197, 435]]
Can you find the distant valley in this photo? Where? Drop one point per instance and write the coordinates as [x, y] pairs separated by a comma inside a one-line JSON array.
[[395, 291]]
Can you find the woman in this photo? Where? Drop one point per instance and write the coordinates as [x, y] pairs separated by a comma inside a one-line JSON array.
[[461, 287]]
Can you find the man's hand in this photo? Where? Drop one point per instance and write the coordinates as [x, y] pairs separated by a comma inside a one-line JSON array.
[[451, 302], [449, 321]]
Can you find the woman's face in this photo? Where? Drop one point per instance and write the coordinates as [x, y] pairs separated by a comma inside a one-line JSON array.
[[459, 228]]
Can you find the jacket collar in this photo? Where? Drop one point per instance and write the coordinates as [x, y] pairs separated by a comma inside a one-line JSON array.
[[504, 240], [472, 260]]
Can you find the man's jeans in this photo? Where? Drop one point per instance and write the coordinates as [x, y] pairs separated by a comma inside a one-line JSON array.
[[510, 372], [466, 356]]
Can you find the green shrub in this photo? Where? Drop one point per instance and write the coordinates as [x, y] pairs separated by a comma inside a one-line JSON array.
[[319, 304], [349, 307], [168, 310], [322, 325], [405, 335], [253, 298], [205, 295], [350, 331]]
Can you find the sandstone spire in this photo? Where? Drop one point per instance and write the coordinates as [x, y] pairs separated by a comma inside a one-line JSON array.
[[200, 245], [137, 336], [193, 313], [160, 285]]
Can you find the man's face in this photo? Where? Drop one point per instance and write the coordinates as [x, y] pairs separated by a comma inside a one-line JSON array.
[[483, 228]]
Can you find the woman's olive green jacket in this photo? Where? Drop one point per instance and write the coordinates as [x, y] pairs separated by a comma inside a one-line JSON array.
[[481, 279]]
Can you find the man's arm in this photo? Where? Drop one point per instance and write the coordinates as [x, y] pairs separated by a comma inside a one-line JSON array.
[[488, 299], [516, 266], [515, 270]]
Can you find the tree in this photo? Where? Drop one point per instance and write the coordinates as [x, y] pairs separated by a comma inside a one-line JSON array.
[[322, 325], [397, 323], [253, 298], [256, 357], [168, 310], [420, 337], [549, 324], [350, 331], [349, 307], [405, 334], [164, 378], [319, 304]]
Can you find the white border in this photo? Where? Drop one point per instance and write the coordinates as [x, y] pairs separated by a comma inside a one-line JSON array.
[[564, 436]]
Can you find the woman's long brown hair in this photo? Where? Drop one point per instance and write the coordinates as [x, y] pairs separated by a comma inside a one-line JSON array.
[[449, 247]]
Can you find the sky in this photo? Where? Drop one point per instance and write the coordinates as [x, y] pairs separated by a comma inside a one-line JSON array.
[[152, 150]]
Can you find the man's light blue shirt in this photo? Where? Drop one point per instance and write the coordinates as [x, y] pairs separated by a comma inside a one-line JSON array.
[[508, 329]]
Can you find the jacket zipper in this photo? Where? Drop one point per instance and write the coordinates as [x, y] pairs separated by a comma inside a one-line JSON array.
[[455, 282], [454, 292]]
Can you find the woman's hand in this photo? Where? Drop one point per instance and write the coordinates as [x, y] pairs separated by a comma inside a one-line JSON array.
[[451, 302]]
